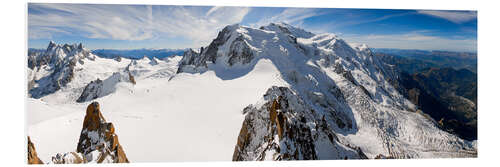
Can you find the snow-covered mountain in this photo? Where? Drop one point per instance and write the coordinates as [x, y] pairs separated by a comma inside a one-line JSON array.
[[73, 68], [333, 82], [273, 93], [56, 66]]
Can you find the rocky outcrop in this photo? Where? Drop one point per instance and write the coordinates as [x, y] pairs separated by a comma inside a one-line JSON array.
[[286, 128], [32, 155], [69, 158], [131, 78], [118, 58], [98, 143], [100, 88], [92, 91]]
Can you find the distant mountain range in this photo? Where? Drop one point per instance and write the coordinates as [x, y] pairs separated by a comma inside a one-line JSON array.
[[415, 60], [126, 53], [138, 53]]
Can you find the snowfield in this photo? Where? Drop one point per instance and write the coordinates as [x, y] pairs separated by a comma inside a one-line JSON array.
[[189, 117]]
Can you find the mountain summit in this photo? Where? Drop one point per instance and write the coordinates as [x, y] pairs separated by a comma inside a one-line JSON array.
[[339, 102]]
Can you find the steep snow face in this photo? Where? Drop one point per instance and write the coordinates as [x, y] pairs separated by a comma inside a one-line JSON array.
[[344, 84]]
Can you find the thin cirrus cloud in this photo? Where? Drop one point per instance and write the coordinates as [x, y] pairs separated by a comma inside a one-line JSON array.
[[200, 27], [453, 16], [295, 16], [92, 21], [129, 22]]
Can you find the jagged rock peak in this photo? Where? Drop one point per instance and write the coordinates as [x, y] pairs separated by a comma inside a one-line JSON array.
[[67, 48], [52, 44], [284, 127], [60, 61], [98, 141], [32, 155]]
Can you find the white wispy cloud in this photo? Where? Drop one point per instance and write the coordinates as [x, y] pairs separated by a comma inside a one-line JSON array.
[[130, 22], [414, 40], [327, 27], [294, 16], [453, 16], [200, 27], [93, 21]]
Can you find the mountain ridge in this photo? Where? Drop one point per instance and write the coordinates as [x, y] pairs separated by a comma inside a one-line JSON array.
[[327, 60]]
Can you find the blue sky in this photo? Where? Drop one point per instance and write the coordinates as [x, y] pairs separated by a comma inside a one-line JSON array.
[[161, 26]]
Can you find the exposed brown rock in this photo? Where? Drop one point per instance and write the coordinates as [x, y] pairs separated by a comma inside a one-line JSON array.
[[32, 155], [97, 134], [277, 129], [131, 78], [98, 143]]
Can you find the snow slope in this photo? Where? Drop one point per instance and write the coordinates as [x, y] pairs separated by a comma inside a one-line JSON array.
[[190, 117]]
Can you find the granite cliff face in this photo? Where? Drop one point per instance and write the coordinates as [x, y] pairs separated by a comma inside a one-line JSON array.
[[284, 127], [98, 143], [99, 136], [32, 155]]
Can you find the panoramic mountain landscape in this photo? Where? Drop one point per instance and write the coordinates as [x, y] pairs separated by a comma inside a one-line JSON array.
[[106, 84], [283, 94]]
